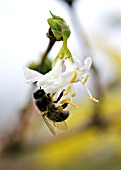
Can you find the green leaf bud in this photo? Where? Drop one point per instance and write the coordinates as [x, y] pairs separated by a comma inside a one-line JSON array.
[[56, 17], [59, 27], [66, 32], [43, 68]]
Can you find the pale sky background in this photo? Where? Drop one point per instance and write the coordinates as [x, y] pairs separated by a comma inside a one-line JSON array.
[[23, 27]]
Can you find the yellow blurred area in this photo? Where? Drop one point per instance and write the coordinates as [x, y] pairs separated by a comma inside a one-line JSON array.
[[92, 148], [93, 145], [111, 52]]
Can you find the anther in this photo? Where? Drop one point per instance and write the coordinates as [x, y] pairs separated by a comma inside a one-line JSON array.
[[67, 90], [73, 77], [73, 95], [64, 100], [93, 99], [74, 105], [85, 80], [67, 100]]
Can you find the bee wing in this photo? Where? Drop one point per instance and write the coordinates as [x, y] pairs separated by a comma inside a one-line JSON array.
[[49, 125], [61, 125]]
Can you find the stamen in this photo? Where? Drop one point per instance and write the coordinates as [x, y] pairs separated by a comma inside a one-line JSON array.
[[73, 95], [67, 100], [88, 91], [93, 99], [64, 100], [73, 77], [67, 90], [85, 80]]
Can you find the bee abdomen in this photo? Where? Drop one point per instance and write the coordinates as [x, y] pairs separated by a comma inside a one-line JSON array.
[[63, 116], [58, 117]]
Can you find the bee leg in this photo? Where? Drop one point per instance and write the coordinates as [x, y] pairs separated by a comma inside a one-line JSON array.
[[59, 97], [48, 94], [64, 105]]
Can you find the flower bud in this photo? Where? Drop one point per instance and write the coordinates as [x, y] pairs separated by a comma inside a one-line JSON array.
[[66, 32], [59, 27], [43, 67]]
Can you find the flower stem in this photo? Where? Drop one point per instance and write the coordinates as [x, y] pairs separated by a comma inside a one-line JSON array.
[[64, 43], [50, 45]]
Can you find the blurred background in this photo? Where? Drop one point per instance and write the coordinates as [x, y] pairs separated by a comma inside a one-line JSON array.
[[92, 141]]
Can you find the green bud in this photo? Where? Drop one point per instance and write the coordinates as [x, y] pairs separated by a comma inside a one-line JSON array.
[[54, 24], [46, 66], [57, 34], [56, 17], [66, 32], [55, 27], [59, 27], [43, 68]]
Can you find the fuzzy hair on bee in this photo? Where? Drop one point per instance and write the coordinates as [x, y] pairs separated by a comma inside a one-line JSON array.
[[50, 112]]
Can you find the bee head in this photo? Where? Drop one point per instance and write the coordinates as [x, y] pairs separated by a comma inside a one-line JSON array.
[[39, 93]]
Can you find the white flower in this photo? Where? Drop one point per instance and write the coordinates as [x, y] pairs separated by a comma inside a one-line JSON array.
[[77, 66], [44, 80], [74, 72], [79, 72], [57, 78]]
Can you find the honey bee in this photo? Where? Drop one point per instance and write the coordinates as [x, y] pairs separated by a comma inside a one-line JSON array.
[[50, 112]]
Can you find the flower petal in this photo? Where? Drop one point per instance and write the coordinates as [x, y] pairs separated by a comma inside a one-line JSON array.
[[59, 83], [31, 75], [77, 62], [87, 65], [45, 82], [56, 71], [69, 65], [51, 77]]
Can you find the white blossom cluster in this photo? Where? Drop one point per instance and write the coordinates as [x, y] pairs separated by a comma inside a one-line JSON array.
[[64, 74]]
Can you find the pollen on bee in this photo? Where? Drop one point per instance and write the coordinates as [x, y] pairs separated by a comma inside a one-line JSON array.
[[53, 94], [85, 80], [73, 77], [60, 108], [93, 99], [55, 99]]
